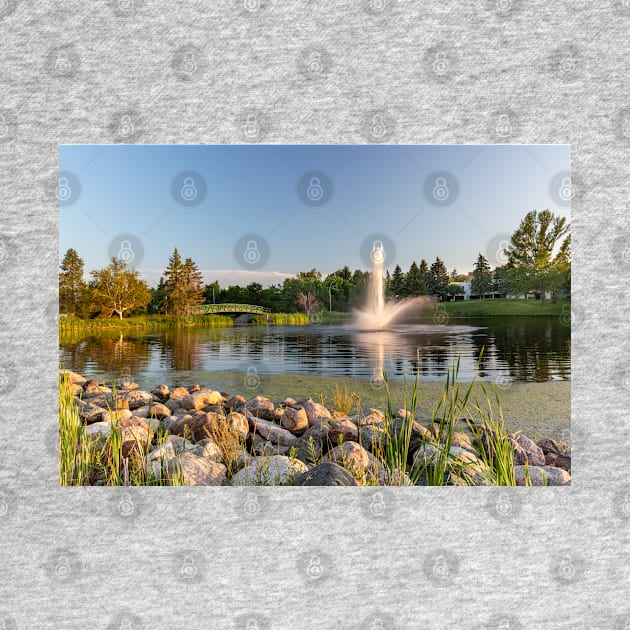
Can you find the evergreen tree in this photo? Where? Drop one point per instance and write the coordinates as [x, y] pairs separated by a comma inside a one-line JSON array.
[[174, 285], [482, 277], [425, 274], [193, 285], [397, 282], [415, 281], [438, 279], [72, 287]]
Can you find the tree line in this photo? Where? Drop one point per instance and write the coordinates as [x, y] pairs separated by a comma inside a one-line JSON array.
[[538, 260]]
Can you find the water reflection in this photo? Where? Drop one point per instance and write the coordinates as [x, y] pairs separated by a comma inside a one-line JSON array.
[[520, 350]]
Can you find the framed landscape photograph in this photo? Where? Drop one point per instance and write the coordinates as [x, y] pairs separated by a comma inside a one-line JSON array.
[[315, 315]]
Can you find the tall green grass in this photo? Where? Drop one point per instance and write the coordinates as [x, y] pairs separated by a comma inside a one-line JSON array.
[[88, 459], [71, 324]]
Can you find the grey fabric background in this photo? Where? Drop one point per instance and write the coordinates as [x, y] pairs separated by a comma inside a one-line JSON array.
[[222, 558]]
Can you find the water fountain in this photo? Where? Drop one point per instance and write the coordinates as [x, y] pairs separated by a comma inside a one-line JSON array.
[[378, 314]]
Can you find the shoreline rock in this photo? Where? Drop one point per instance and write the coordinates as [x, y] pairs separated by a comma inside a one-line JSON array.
[[210, 438]]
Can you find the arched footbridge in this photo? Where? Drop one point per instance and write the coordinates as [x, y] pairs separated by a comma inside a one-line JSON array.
[[231, 309]]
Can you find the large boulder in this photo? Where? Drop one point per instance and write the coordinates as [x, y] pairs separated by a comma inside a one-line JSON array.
[[136, 398], [541, 476], [196, 470], [161, 392], [135, 435], [208, 448], [552, 446], [204, 425], [373, 436], [315, 412], [238, 423], [399, 428], [326, 474], [526, 451], [272, 432], [200, 399], [294, 420], [178, 393], [90, 413], [277, 470], [260, 407], [370, 416], [350, 455], [343, 429], [236, 403], [73, 378], [314, 443], [116, 415]]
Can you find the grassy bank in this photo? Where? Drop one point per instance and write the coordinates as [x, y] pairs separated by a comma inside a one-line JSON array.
[[504, 307], [69, 324]]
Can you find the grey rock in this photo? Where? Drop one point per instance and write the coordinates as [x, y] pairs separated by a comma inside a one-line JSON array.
[[326, 474]]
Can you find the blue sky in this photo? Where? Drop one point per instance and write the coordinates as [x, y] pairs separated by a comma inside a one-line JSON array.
[[304, 206]]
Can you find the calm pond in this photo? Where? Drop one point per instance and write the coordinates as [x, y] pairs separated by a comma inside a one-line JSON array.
[[515, 350]]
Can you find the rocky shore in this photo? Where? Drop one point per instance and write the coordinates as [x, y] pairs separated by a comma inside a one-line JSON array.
[[199, 436]]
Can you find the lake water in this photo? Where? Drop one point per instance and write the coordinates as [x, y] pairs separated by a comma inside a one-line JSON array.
[[514, 350]]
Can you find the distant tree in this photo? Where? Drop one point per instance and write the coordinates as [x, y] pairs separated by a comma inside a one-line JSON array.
[[211, 292], [415, 282], [72, 286], [308, 301], [425, 273], [397, 283], [158, 298], [117, 290], [454, 289], [174, 285], [482, 277], [438, 279], [539, 254], [193, 285]]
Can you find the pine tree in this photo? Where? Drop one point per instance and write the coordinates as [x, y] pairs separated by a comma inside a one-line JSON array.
[[398, 282], [415, 281], [193, 285], [482, 277], [174, 285], [72, 287], [438, 279]]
